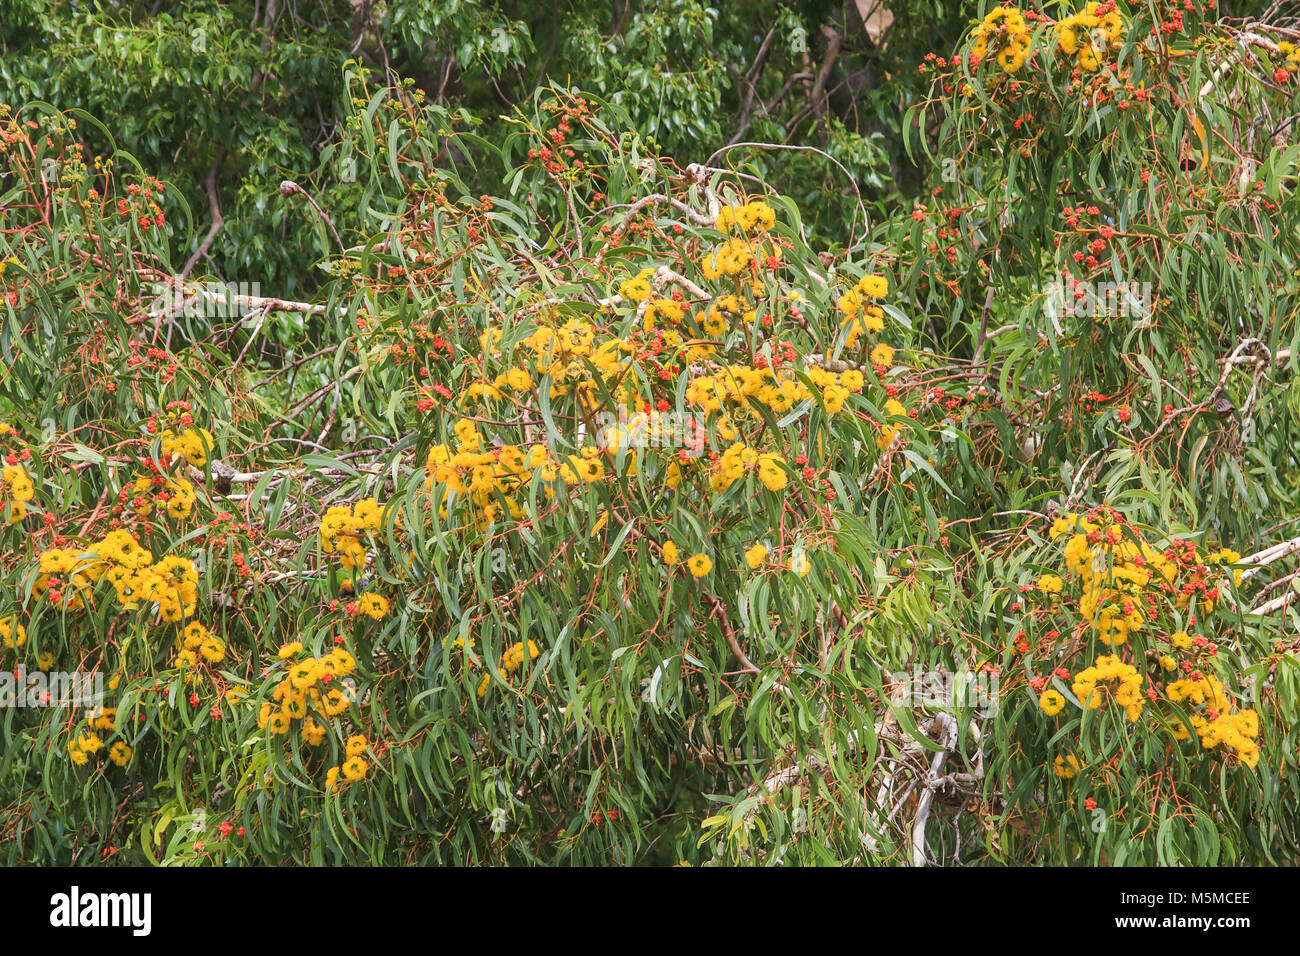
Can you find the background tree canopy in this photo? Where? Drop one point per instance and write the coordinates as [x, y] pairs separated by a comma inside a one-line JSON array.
[[649, 433], [242, 95]]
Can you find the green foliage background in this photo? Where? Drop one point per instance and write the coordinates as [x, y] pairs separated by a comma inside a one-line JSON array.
[[635, 736], [260, 85]]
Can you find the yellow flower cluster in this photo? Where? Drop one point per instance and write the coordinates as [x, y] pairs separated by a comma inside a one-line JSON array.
[[1207, 692], [1292, 54], [470, 473], [887, 433], [729, 258], [511, 380], [1050, 584], [175, 494], [1052, 702], [89, 743], [756, 216], [1088, 36], [1066, 767], [861, 313], [196, 642], [354, 767], [668, 310], [638, 288], [735, 255], [1128, 690], [373, 605], [567, 352], [1213, 722], [1125, 584], [730, 389], [306, 689], [17, 491], [1228, 556], [734, 463], [698, 564], [171, 583], [83, 747], [714, 321], [1003, 33], [1235, 731], [1116, 569], [12, 634], [582, 361], [512, 658], [192, 444], [341, 527]]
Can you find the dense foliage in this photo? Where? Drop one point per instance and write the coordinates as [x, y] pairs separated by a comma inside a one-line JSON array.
[[226, 99], [571, 492]]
